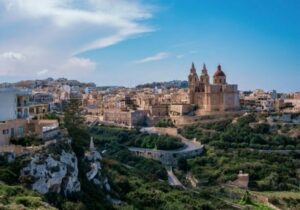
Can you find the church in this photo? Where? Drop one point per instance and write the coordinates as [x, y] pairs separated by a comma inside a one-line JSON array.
[[210, 98]]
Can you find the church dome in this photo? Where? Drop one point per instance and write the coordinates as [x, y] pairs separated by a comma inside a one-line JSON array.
[[219, 72]]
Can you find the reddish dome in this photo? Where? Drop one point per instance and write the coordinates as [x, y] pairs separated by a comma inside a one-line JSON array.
[[219, 72]]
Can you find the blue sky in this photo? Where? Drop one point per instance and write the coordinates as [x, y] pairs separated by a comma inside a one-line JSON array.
[[128, 42]]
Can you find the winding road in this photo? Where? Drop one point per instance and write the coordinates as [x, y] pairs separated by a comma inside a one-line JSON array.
[[191, 148]]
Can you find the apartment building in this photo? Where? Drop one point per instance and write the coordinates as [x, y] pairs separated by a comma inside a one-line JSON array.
[[16, 113]]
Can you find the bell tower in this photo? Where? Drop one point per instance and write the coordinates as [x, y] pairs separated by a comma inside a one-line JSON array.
[[193, 81], [204, 78]]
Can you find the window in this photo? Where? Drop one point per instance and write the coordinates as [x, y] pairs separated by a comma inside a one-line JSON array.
[[20, 131], [5, 131], [12, 131]]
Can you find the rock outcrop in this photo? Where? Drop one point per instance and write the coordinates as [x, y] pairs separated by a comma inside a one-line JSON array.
[[54, 169], [93, 159]]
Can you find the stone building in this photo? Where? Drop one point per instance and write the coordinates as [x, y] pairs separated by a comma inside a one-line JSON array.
[[128, 118], [216, 97], [159, 110], [180, 109]]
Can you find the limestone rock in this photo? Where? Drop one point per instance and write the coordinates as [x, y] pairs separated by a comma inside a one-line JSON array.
[[93, 158], [107, 185], [52, 172]]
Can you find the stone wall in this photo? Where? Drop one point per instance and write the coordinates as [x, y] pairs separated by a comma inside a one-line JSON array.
[[166, 157], [163, 131], [20, 150], [128, 118], [187, 120]]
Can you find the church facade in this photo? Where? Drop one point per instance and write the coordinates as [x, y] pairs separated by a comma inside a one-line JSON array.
[[216, 97]]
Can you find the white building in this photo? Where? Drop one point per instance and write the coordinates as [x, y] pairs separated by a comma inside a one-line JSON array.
[[15, 117], [14, 109], [14, 104], [267, 105], [295, 103]]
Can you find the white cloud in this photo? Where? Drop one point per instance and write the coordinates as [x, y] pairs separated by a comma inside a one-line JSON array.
[[78, 64], [117, 13], [120, 16], [156, 57], [42, 72], [12, 56], [10, 61], [112, 39], [50, 34]]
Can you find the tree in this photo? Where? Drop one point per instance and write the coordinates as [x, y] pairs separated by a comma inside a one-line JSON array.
[[182, 164], [262, 128], [73, 115], [74, 122], [164, 123]]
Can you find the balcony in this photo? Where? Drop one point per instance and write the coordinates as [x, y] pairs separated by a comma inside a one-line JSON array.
[[21, 102], [22, 113]]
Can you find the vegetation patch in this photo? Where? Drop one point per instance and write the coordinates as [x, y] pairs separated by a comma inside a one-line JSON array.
[[246, 132], [17, 197], [134, 138]]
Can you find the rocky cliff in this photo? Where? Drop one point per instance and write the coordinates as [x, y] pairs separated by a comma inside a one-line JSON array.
[[53, 169]]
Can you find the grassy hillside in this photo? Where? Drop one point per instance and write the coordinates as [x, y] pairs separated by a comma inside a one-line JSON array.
[[17, 197]]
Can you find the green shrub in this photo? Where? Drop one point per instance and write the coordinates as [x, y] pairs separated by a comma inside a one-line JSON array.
[[165, 123], [28, 201]]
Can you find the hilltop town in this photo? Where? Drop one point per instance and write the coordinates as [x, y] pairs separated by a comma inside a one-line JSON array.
[[142, 105], [65, 128]]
